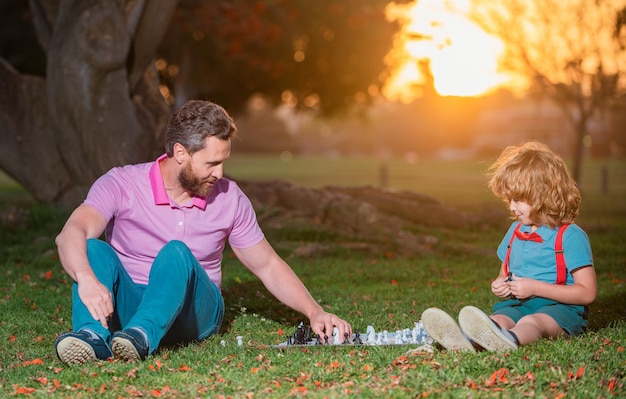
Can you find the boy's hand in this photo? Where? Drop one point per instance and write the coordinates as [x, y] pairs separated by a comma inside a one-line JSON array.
[[500, 287], [521, 287]]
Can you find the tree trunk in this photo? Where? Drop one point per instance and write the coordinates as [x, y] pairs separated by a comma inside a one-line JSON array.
[[580, 133], [99, 105]]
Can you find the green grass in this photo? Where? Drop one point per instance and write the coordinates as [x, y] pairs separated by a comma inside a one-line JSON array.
[[386, 291]]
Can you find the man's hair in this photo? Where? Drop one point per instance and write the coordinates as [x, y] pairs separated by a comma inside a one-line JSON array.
[[532, 173], [194, 122]]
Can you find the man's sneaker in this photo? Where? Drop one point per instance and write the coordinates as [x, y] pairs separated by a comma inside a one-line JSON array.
[[443, 329], [130, 344], [75, 348], [482, 330]]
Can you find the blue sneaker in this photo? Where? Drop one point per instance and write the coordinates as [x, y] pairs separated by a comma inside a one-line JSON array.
[[130, 344], [76, 348]]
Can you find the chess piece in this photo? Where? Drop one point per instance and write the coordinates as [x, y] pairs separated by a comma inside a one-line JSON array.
[[346, 341], [371, 335], [398, 338], [385, 339], [357, 338], [299, 335], [415, 336], [379, 338], [239, 340], [336, 340]]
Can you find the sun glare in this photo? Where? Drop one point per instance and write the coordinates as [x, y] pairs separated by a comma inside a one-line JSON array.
[[463, 58]]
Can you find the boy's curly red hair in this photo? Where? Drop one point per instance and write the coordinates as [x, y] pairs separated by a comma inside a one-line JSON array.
[[532, 173]]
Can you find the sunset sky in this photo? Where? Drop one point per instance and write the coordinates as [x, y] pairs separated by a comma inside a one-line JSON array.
[[463, 57]]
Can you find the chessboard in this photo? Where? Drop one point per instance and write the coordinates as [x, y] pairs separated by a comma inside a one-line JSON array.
[[304, 336]]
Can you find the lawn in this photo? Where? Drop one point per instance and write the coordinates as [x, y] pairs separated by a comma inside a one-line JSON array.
[[383, 290]]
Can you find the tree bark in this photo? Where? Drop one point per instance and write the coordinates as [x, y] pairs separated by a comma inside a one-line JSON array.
[[26, 146], [99, 105]]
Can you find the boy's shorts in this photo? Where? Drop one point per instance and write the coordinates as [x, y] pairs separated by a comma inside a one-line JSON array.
[[571, 318]]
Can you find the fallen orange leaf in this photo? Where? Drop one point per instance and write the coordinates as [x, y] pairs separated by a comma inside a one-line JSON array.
[[580, 372], [23, 390], [611, 384], [31, 362]]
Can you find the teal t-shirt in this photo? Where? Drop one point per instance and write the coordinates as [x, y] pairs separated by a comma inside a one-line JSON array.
[[537, 260]]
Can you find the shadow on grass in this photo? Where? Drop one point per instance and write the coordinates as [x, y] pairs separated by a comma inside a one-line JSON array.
[[606, 311], [256, 299]]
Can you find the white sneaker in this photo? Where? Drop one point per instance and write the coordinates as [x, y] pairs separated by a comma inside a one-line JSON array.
[[482, 330], [443, 329]]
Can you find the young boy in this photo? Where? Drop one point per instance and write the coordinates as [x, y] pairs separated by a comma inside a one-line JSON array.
[[542, 296]]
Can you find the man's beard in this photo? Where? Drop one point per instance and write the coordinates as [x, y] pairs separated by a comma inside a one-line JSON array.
[[191, 183]]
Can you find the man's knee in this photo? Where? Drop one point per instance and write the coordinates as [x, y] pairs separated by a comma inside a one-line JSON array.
[[178, 253], [95, 245], [176, 250]]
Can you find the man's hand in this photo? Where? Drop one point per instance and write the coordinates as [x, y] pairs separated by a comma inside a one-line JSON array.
[[322, 323], [97, 298]]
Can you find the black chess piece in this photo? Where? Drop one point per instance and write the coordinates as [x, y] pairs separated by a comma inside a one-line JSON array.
[[346, 341], [326, 339], [299, 335], [318, 341], [357, 338]]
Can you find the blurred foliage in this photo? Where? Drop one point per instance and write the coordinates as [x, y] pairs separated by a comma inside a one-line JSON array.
[[325, 55]]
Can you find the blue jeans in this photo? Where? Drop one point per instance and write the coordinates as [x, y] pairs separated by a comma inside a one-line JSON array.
[[180, 304]]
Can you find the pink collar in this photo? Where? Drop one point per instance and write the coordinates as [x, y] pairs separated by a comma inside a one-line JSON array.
[[158, 186]]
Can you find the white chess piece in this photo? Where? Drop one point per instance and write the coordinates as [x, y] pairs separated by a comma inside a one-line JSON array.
[[406, 336], [385, 337], [239, 340], [371, 335], [414, 336], [399, 338], [379, 338], [336, 340]]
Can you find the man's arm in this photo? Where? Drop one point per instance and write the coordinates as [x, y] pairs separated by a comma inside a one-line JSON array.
[[282, 282], [85, 222]]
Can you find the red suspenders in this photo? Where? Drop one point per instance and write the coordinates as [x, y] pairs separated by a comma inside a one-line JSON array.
[[561, 270]]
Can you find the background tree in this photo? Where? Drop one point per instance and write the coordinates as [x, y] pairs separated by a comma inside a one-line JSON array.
[[325, 55], [101, 102], [568, 50], [98, 105]]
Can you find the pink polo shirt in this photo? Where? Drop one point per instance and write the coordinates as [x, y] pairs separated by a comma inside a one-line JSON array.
[[142, 219]]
